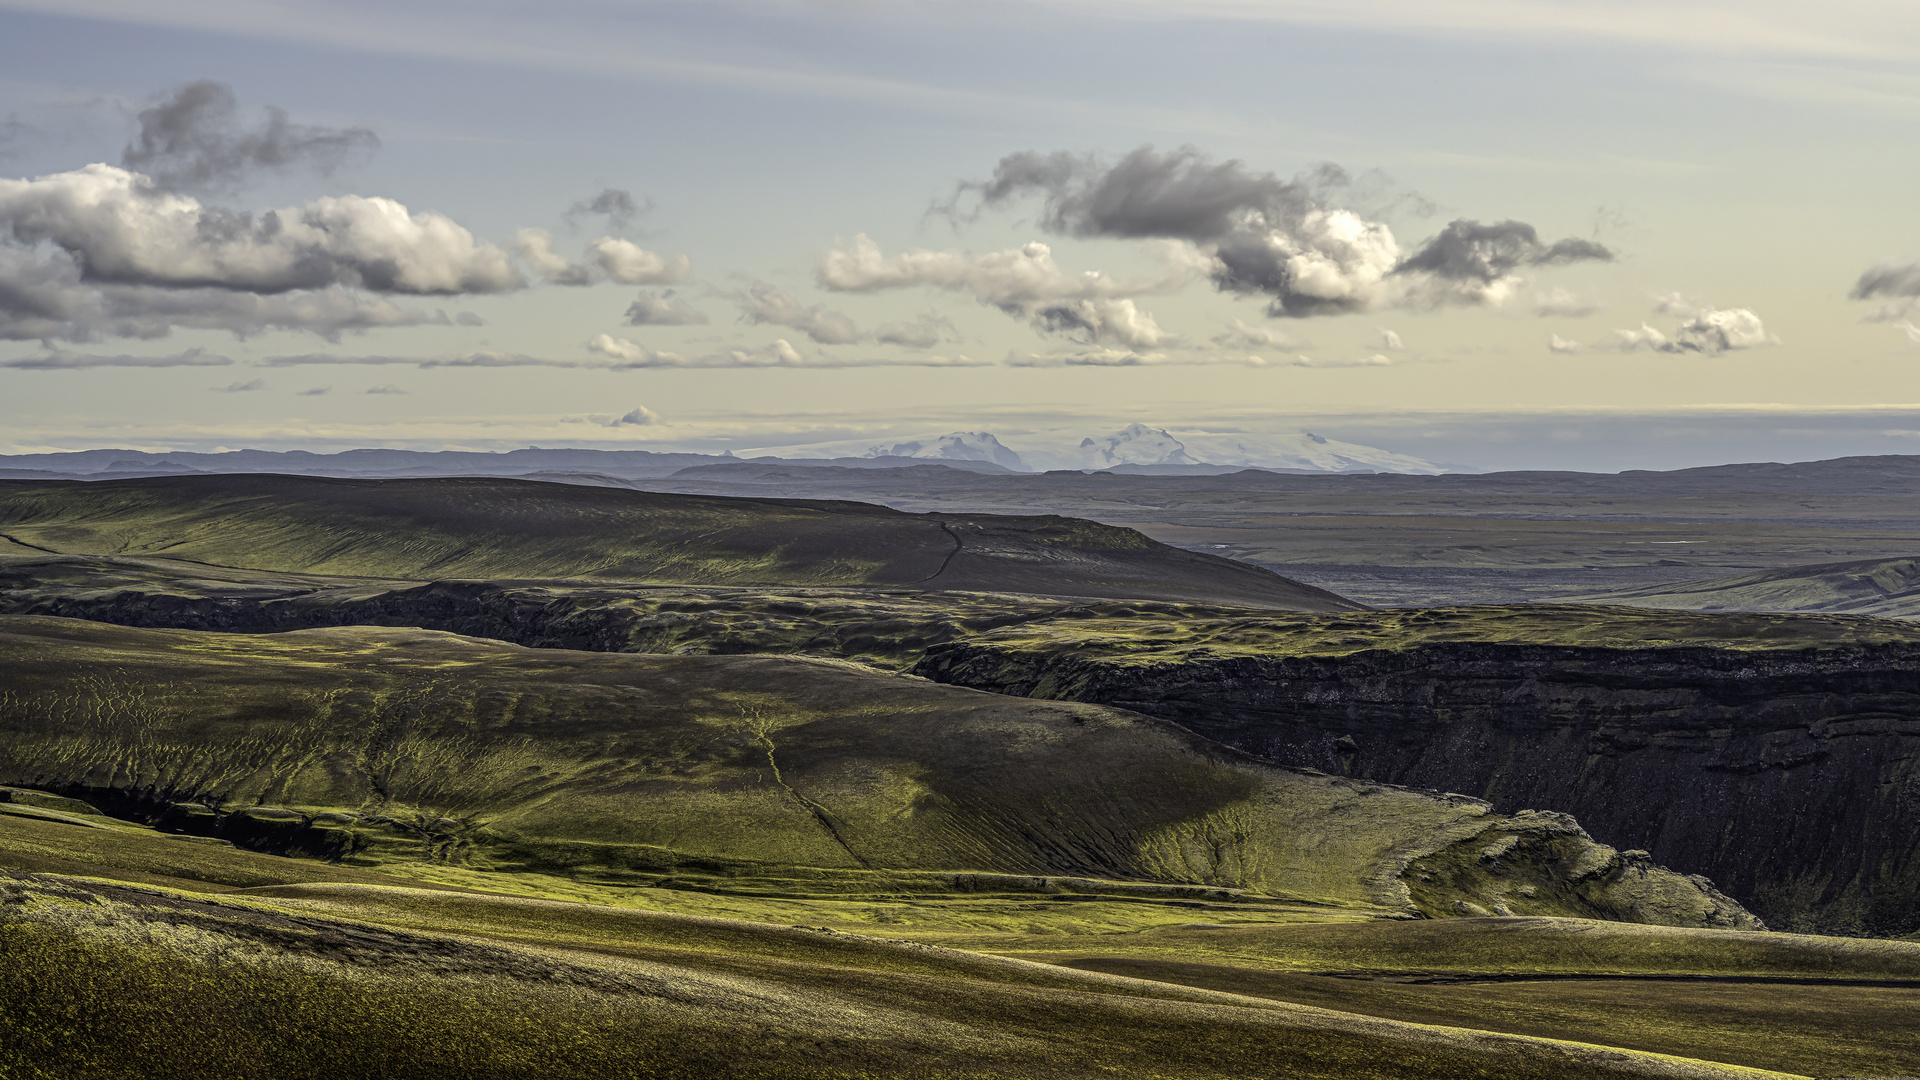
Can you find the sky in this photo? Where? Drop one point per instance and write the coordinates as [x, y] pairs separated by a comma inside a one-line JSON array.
[[1594, 234]]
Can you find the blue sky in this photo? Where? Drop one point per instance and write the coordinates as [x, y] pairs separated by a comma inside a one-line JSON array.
[[1741, 167]]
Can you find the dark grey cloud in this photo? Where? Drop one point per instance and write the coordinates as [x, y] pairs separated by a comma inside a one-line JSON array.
[[1286, 239], [195, 139], [662, 308], [618, 207], [243, 387], [314, 391], [46, 299], [66, 361], [764, 303], [1179, 194], [1486, 252], [1896, 282]]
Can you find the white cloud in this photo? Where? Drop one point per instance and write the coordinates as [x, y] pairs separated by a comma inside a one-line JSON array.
[[1023, 281], [1703, 329], [627, 354], [629, 264], [1560, 303], [131, 260], [663, 309], [633, 354], [466, 360], [763, 303], [1088, 358], [608, 258], [1304, 361], [641, 416], [1254, 233], [924, 334], [1012, 279], [1241, 333], [124, 230], [385, 388], [536, 250], [1719, 330], [1101, 322], [1558, 344], [1706, 330], [1390, 340]]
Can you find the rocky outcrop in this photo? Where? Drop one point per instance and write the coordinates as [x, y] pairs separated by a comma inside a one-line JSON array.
[[1790, 777]]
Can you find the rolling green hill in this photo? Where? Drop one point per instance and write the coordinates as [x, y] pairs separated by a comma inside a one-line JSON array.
[[494, 528], [380, 746]]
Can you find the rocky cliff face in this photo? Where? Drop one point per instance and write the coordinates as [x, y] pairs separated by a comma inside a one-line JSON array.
[[1791, 778]]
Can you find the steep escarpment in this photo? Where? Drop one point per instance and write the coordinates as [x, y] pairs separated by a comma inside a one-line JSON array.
[[1790, 776]]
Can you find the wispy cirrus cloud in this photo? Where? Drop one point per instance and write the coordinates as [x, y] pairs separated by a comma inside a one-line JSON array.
[[68, 361]]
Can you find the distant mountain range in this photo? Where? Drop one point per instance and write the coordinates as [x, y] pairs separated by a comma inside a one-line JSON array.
[[1136, 448], [1141, 448]]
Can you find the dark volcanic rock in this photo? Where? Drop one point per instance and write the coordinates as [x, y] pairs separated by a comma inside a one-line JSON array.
[[1790, 777]]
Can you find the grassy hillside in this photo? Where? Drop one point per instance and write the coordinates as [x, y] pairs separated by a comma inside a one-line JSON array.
[[496, 528], [380, 746], [420, 974], [1885, 587], [400, 984]]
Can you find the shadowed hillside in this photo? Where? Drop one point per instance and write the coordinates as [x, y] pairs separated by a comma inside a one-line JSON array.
[[882, 627], [497, 528]]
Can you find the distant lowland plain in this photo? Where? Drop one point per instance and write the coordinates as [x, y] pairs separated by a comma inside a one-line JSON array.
[[928, 760]]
